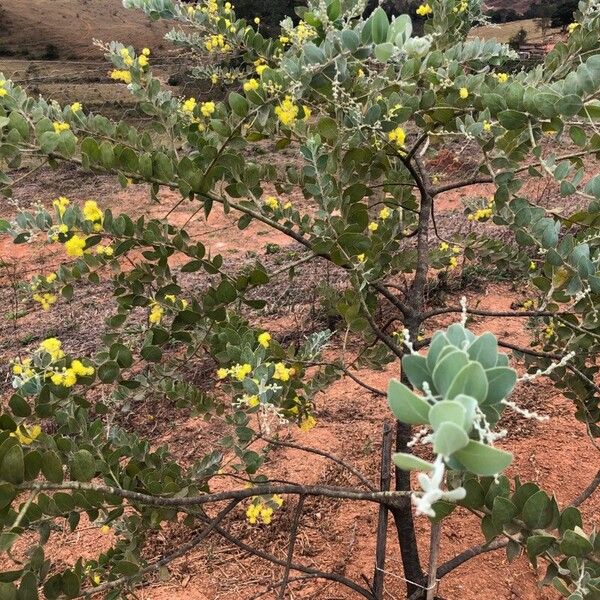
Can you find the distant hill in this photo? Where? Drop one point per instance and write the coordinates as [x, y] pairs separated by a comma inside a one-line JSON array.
[[66, 28]]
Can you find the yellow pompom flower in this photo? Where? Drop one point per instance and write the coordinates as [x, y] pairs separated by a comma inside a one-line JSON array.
[[282, 373], [143, 61], [361, 258], [51, 278], [214, 78], [251, 401], [45, 300], [60, 126], [53, 347], [572, 27], [76, 107], [424, 10], [146, 51], [398, 136], [188, 106], [61, 205], [385, 213], [80, 369], [257, 20], [444, 246], [373, 226], [264, 339], [207, 108], [156, 313], [222, 373], [91, 211], [251, 85], [487, 126], [26, 436], [241, 371], [271, 202], [260, 69], [463, 93], [307, 423], [287, 111], [105, 529], [74, 246], [120, 75], [532, 266], [453, 263], [501, 77]]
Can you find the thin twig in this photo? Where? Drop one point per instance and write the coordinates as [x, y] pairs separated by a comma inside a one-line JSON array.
[[292, 543]]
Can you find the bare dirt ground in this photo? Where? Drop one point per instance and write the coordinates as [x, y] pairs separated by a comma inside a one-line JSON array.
[[334, 535]]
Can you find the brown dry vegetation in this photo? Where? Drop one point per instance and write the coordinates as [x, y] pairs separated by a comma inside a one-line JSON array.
[[333, 535]]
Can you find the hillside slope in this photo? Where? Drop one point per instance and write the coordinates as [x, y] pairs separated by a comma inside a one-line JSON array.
[[32, 28]]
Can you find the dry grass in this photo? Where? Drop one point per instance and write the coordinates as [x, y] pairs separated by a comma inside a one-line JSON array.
[[504, 32]]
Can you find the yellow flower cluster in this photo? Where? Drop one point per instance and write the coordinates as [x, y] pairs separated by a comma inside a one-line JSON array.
[[217, 43], [207, 108], [500, 77], [61, 205], [104, 250], [260, 510], [528, 304], [549, 331], [261, 66], [398, 136], [127, 58], [487, 125], [238, 372], [385, 213], [53, 347], [91, 212], [572, 27], [463, 93], [76, 107], [46, 300], [287, 111], [361, 258], [462, 7], [60, 126], [3, 90], [68, 377], [250, 401], [74, 245], [282, 373], [251, 85], [424, 10], [22, 367], [301, 33], [188, 106], [156, 313], [444, 246], [121, 75], [264, 339], [482, 214], [373, 226], [307, 423], [27, 436], [453, 262], [271, 202]]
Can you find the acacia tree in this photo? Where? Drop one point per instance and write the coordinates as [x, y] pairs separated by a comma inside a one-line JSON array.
[[365, 104]]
